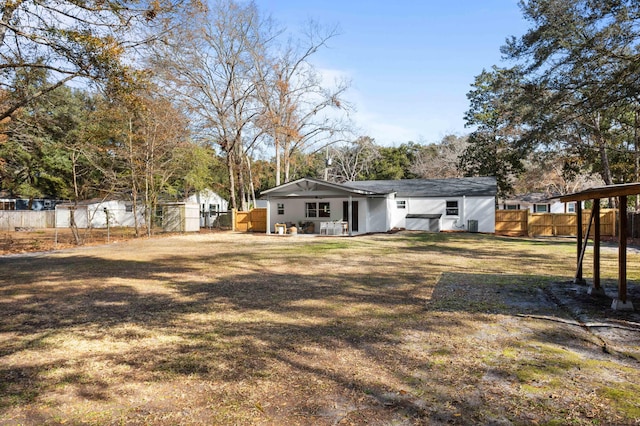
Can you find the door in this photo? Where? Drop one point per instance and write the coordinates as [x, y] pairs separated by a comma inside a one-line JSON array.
[[353, 224]]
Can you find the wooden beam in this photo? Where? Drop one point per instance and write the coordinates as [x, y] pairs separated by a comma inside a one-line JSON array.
[[584, 249], [603, 192]]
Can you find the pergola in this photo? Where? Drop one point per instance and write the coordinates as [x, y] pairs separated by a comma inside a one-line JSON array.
[[596, 194]]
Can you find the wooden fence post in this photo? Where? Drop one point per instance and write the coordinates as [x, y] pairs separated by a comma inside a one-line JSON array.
[[233, 219]]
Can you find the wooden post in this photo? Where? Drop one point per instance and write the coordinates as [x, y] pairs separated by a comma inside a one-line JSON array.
[[233, 219], [578, 278], [622, 251], [596, 244]]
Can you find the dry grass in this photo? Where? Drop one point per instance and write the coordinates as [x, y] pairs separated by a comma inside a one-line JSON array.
[[238, 329]]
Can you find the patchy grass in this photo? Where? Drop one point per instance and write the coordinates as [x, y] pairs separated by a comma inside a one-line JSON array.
[[226, 328]]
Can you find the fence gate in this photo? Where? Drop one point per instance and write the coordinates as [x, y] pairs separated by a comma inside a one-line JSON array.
[[255, 220]]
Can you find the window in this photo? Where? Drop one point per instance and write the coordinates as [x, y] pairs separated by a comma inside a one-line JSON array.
[[280, 208], [311, 210], [540, 208], [128, 208], [401, 204], [317, 209], [324, 209], [571, 207], [452, 208], [511, 207]]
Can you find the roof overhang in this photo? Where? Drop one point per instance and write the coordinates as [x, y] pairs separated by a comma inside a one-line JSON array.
[[603, 192], [312, 188]]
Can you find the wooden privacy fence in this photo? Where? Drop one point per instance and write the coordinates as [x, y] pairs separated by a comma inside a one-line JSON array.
[[255, 220], [519, 223], [12, 219]]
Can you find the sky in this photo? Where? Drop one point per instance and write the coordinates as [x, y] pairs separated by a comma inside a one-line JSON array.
[[410, 63]]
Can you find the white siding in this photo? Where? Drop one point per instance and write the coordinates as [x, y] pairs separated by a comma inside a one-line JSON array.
[[481, 209], [382, 214], [94, 215], [375, 210]]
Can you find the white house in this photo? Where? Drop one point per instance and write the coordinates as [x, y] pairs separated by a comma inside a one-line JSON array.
[[211, 206], [95, 213], [537, 202], [463, 204]]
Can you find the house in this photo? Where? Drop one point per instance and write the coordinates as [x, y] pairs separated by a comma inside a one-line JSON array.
[[211, 205], [98, 213], [463, 204], [36, 204], [537, 202]]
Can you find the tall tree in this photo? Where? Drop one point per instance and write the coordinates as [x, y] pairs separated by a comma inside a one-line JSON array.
[[296, 99], [72, 40], [212, 70]]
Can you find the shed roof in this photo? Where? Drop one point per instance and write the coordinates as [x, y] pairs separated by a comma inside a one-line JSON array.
[[603, 192]]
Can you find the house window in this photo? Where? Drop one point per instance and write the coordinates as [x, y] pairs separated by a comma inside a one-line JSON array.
[[128, 208], [511, 207], [540, 208], [311, 210], [317, 209], [452, 208], [571, 208], [401, 204], [324, 209], [280, 208]]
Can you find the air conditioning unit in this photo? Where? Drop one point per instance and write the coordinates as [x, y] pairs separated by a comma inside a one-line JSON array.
[[472, 225]]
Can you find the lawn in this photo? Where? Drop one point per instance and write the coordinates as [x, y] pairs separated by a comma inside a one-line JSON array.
[[227, 328]]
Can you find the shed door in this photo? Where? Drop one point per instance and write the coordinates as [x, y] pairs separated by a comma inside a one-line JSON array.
[[353, 224]]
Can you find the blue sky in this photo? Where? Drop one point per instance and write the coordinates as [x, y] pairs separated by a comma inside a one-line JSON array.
[[411, 63]]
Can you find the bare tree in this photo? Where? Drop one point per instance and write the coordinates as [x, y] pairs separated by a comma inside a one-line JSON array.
[[348, 162], [440, 160], [295, 99], [212, 71]]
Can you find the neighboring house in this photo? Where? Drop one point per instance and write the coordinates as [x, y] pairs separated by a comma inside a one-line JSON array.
[[211, 206], [95, 213], [37, 204], [464, 204], [536, 202]]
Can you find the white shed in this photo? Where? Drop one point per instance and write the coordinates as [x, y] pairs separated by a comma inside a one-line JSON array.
[[211, 205], [180, 217], [96, 213]]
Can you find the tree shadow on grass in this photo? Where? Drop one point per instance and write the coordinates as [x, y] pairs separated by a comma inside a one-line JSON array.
[[364, 337]]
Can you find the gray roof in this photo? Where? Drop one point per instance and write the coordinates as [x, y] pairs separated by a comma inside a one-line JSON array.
[[457, 187]]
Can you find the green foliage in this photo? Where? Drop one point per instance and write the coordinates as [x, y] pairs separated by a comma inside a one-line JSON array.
[[573, 90], [394, 163], [37, 153]]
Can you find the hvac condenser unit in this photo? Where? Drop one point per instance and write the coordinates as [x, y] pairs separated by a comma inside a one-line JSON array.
[[472, 225]]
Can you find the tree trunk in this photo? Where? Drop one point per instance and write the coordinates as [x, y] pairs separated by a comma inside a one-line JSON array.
[[252, 191], [276, 141], [601, 144], [232, 180], [287, 159]]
